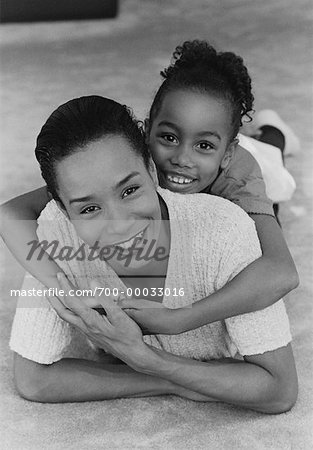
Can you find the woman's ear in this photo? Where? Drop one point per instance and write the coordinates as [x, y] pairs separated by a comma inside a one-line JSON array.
[[147, 131], [229, 153], [153, 172]]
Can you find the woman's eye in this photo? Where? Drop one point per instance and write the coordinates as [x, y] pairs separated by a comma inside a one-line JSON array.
[[129, 191], [169, 138], [205, 146], [90, 210]]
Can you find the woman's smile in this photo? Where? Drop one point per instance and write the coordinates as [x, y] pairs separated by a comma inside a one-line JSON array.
[[129, 243]]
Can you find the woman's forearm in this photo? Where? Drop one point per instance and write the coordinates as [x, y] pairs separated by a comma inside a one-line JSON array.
[[231, 381], [78, 380]]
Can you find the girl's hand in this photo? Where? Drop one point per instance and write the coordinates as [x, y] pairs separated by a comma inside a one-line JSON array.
[[154, 318], [116, 332], [92, 302]]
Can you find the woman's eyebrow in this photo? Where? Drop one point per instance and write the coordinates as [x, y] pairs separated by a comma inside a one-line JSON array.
[[87, 198], [126, 179]]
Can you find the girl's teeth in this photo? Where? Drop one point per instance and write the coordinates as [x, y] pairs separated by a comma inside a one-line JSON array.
[[179, 180]]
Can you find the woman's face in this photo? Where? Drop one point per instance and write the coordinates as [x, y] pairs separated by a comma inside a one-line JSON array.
[[189, 140], [109, 196]]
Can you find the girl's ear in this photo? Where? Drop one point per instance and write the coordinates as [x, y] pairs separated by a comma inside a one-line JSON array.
[[153, 172], [147, 131], [229, 153]]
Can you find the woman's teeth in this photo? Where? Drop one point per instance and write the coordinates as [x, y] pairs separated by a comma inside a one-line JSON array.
[[128, 244], [179, 180]]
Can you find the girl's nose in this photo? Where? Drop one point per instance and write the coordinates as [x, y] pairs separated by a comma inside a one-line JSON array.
[[181, 157]]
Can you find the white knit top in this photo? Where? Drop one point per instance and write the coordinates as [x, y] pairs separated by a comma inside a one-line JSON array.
[[212, 240]]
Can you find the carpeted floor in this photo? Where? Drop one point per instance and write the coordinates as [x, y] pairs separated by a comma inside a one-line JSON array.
[[42, 65]]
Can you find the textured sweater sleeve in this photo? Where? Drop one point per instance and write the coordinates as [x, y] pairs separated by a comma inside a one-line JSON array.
[[37, 332], [260, 331]]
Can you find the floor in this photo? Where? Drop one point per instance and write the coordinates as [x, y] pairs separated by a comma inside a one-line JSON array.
[[43, 65]]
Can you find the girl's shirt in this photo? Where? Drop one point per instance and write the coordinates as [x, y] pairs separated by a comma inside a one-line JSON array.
[[245, 184], [200, 225]]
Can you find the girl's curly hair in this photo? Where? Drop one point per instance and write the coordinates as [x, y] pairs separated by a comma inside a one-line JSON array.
[[196, 65]]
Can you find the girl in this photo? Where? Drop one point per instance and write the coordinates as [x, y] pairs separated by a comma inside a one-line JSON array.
[[194, 120], [96, 165], [192, 134]]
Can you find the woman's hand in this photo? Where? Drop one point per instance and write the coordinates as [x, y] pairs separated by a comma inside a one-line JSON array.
[[116, 332], [154, 318]]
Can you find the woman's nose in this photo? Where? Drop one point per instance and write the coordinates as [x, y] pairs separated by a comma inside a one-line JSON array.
[[115, 231], [181, 157], [118, 225]]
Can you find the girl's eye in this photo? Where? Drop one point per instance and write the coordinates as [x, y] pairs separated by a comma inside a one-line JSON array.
[[169, 138], [205, 146], [129, 191], [90, 210]]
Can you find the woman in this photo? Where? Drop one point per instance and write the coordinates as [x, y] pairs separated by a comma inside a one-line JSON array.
[[97, 168]]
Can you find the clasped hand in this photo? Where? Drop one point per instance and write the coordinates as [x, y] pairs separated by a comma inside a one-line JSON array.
[[152, 317], [115, 332]]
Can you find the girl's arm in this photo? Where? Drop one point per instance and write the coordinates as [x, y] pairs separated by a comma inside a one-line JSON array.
[[18, 228], [259, 285]]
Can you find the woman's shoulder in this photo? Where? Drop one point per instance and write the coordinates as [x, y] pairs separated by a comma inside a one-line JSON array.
[[53, 224], [202, 207], [51, 212]]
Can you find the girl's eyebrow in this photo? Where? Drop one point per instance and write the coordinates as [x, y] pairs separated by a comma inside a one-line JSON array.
[[209, 133], [168, 124]]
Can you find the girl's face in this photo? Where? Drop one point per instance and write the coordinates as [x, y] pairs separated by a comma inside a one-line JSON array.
[[189, 140], [109, 196]]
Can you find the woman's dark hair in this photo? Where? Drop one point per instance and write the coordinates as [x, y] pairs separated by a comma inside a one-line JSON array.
[[198, 67], [78, 122]]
